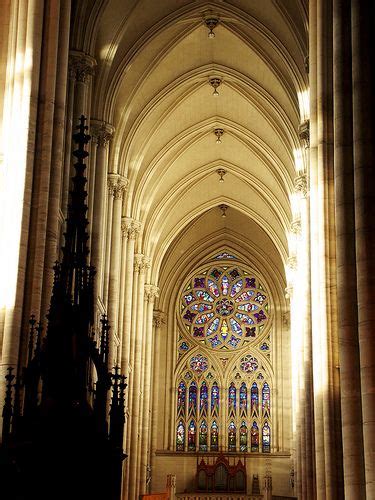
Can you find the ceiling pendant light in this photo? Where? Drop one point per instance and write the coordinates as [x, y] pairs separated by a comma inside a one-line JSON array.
[[218, 132], [215, 82], [223, 209], [221, 172], [211, 23]]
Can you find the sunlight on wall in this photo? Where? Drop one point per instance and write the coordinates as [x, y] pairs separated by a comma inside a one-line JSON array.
[[304, 104], [298, 160], [13, 171]]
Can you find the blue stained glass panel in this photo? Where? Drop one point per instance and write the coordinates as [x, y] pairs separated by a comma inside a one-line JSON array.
[[244, 318], [232, 396], [215, 341], [213, 326], [193, 398], [245, 296], [243, 397], [215, 398], [233, 341], [203, 404], [236, 288], [224, 285], [201, 320], [204, 295], [201, 307], [254, 398], [213, 288], [248, 307], [181, 398], [236, 328]]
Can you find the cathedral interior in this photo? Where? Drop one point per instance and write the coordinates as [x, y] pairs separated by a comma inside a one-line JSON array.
[[231, 225]]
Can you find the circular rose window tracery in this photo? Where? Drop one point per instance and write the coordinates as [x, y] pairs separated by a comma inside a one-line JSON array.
[[224, 307]]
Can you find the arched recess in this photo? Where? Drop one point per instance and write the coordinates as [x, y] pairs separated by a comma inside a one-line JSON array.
[[255, 252]]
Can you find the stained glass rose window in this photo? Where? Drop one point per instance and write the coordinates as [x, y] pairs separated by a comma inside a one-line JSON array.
[[224, 307]]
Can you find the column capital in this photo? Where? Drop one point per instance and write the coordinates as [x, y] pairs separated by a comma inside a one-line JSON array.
[[141, 263], [301, 185], [117, 185], [295, 226], [130, 228], [158, 318], [101, 132], [288, 291], [151, 293], [292, 262], [81, 66], [304, 133]]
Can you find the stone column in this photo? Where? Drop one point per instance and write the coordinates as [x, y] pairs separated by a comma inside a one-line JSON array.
[[57, 158], [151, 293], [328, 451], [305, 479], [20, 111], [81, 72], [131, 229], [118, 187], [345, 248], [158, 322], [111, 186], [141, 264], [83, 65], [102, 134], [363, 84]]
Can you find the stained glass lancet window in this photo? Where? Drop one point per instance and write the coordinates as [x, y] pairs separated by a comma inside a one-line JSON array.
[[180, 441], [266, 403], [243, 437], [243, 399], [203, 405], [254, 399], [192, 434], [215, 399], [232, 399], [214, 436], [203, 431], [255, 437], [232, 437], [181, 399], [266, 438], [193, 398]]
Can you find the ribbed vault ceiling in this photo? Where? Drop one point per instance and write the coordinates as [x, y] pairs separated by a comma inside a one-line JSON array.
[[154, 63]]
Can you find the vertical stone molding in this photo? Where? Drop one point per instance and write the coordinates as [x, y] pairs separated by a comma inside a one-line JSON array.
[[347, 313], [141, 265], [151, 294], [118, 185], [101, 133], [363, 83], [159, 320]]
